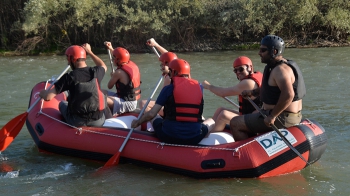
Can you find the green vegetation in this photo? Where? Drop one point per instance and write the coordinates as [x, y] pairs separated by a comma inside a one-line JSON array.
[[185, 25]]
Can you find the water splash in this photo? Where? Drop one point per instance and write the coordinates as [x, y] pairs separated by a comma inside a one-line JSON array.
[[2, 158], [65, 169], [12, 174]]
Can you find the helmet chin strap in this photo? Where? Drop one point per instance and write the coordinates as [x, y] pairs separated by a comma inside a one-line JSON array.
[[250, 72], [272, 52], [71, 64]]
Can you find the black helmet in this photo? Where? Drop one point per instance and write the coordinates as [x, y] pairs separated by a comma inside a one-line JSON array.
[[273, 42]]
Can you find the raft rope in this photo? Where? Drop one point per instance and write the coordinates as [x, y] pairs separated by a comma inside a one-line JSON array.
[[160, 144]]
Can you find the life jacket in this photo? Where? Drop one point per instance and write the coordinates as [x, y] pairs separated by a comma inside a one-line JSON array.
[[132, 90], [186, 103], [88, 101], [270, 94], [245, 107]]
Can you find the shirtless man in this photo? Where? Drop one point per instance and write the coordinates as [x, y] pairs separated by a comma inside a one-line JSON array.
[[281, 92]]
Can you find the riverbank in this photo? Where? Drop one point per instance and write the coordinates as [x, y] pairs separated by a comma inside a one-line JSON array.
[[200, 47]]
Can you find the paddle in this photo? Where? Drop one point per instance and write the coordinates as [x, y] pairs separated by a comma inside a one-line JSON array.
[[14, 126], [230, 101], [278, 132], [110, 59], [155, 51], [114, 160]]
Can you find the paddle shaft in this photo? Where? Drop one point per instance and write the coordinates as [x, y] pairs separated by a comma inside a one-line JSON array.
[[115, 158], [144, 107], [110, 59], [141, 113], [155, 51], [230, 101], [37, 101], [278, 132]]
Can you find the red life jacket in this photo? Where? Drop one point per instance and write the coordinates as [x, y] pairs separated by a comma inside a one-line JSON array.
[[88, 101], [132, 90], [245, 107], [187, 102]]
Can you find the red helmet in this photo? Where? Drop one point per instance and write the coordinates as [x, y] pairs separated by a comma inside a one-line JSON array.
[[167, 57], [74, 53], [121, 55], [243, 60], [180, 66]]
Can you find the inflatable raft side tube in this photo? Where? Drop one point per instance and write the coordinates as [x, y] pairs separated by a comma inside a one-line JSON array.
[[245, 173], [66, 151], [282, 159], [318, 143], [31, 92], [213, 164]]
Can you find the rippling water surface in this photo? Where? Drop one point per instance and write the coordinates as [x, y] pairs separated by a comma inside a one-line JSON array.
[[26, 171]]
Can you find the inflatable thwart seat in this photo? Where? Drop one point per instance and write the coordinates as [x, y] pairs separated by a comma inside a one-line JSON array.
[[217, 138], [125, 122]]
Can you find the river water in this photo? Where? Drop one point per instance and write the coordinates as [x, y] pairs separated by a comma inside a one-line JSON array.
[[26, 171]]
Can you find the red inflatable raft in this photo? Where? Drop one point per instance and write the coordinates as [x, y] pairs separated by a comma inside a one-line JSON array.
[[262, 156]]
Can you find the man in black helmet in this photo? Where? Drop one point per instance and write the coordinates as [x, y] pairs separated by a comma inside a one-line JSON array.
[[281, 92]]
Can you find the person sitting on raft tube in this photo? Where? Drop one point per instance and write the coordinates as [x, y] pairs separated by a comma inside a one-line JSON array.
[[183, 108], [86, 103], [165, 59], [127, 80], [248, 80], [281, 93]]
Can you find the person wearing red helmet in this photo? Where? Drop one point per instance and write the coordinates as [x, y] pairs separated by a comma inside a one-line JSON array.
[[248, 80], [183, 107], [86, 104], [127, 80], [281, 93], [165, 59]]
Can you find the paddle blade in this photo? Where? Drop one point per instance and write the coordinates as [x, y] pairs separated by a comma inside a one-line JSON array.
[[11, 130], [113, 161]]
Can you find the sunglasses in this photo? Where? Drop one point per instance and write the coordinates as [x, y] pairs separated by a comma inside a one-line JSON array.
[[240, 69], [262, 50]]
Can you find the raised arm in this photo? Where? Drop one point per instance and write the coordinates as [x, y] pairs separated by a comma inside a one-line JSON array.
[[96, 59], [151, 42], [109, 46]]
